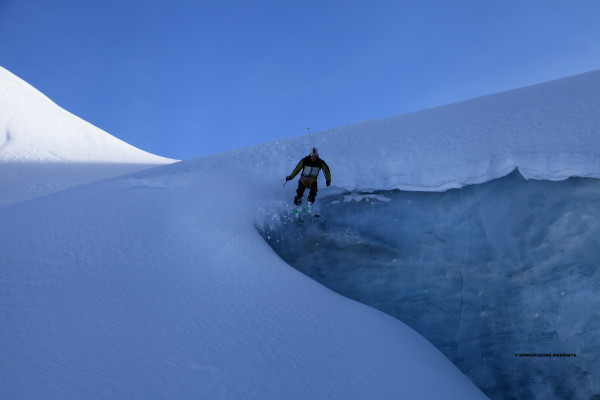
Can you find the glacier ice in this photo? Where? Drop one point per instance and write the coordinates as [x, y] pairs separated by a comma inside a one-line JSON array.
[[502, 277]]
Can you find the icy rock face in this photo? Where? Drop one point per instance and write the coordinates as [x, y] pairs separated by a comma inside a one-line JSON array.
[[488, 273]]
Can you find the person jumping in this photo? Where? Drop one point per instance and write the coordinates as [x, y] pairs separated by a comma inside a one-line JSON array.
[[310, 166]]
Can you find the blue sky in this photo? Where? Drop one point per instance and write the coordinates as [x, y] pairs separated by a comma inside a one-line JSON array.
[[183, 78]]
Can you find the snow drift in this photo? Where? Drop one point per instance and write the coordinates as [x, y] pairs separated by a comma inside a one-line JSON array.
[[546, 131]]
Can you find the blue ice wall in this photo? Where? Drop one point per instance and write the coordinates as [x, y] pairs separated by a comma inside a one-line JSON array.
[[503, 277]]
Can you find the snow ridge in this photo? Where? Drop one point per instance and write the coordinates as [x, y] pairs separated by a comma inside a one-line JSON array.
[[546, 131]]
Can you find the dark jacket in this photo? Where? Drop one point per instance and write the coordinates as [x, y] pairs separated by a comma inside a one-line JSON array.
[[310, 169]]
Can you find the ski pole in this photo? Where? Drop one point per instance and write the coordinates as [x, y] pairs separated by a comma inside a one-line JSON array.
[[310, 137]]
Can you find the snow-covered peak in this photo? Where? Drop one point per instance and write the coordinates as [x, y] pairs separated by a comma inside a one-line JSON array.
[[34, 129], [45, 149]]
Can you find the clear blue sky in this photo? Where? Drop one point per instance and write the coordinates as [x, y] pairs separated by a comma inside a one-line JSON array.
[[184, 79]]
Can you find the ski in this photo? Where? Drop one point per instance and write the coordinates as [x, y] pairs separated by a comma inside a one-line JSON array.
[[300, 212], [297, 214]]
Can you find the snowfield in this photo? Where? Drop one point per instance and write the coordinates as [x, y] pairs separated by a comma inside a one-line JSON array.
[[157, 284]]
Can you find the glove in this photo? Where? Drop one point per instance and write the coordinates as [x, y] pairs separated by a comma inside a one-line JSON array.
[[288, 178], [328, 183]]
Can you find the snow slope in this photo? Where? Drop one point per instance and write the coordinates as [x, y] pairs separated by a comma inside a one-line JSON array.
[[150, 287], [39, 143], [157, 284]]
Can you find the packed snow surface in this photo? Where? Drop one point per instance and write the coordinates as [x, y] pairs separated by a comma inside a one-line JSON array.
[[157, 284]]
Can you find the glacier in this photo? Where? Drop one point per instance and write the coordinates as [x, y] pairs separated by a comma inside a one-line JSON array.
[[159, 284]]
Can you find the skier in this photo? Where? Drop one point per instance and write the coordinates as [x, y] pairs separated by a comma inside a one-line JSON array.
[[310, 166]]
